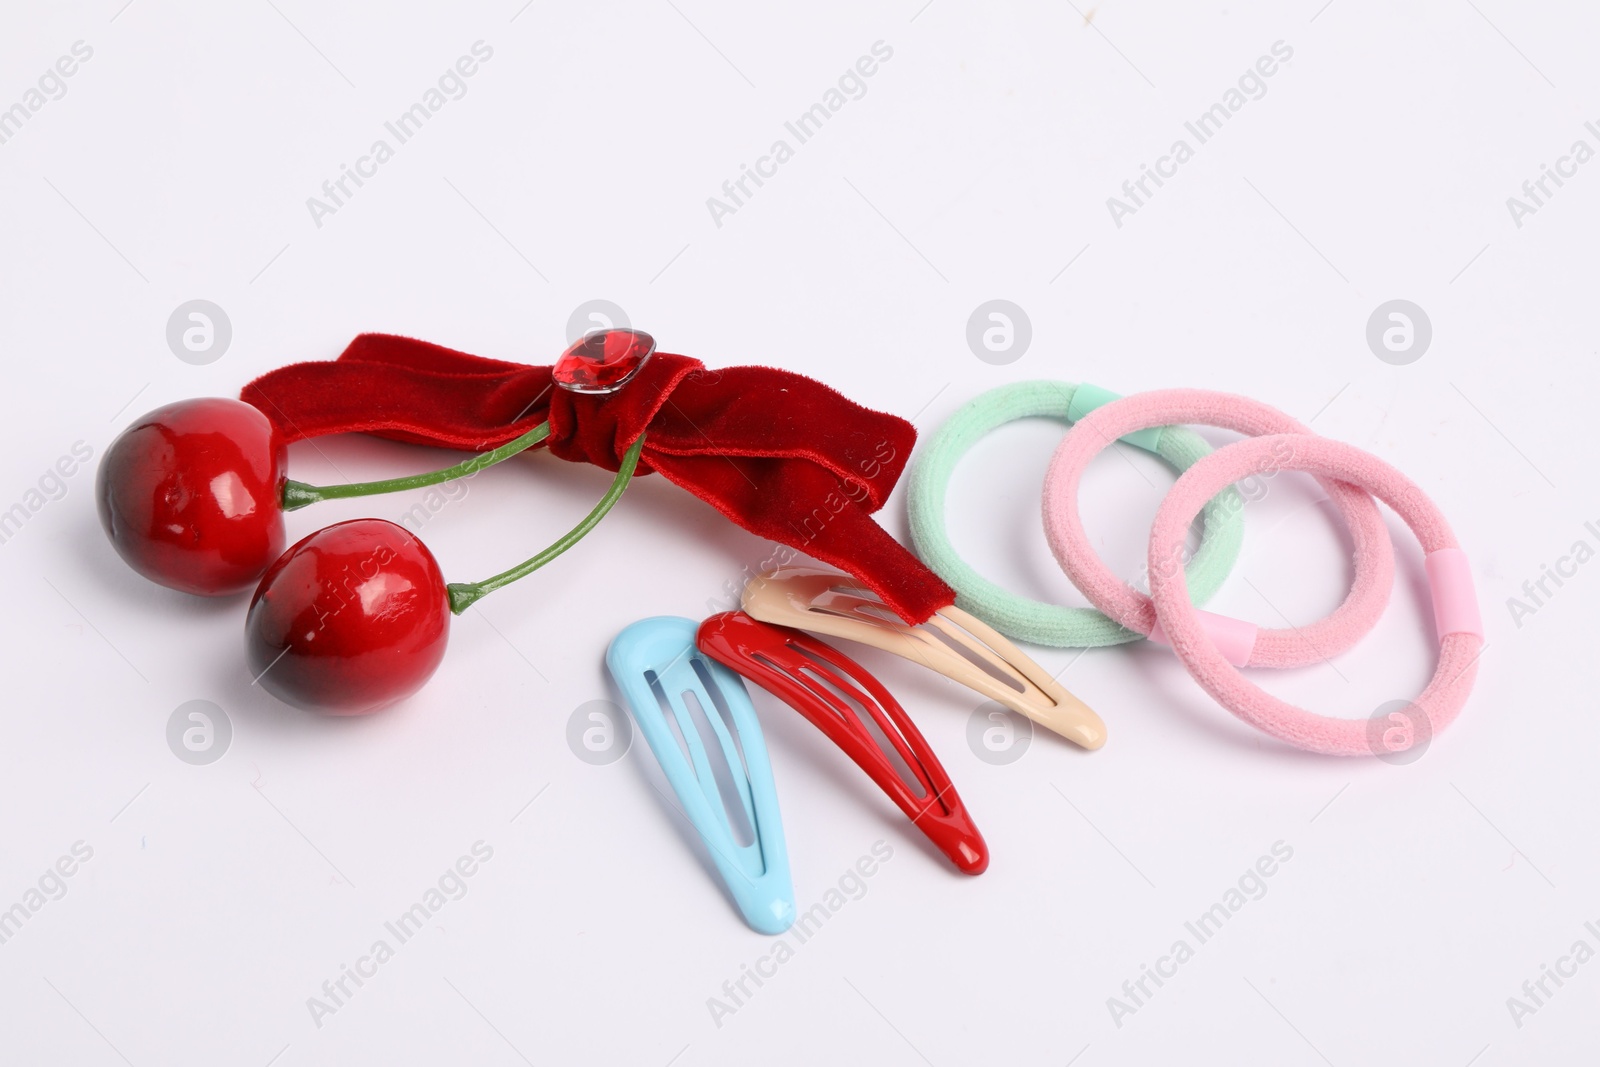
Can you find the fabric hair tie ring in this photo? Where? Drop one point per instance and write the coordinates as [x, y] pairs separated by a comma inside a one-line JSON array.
[[1032, 620], [1459, 627], [1244, 644]]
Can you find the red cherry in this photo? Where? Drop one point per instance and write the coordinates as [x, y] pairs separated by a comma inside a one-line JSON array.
[[190, 495], [349, 620]]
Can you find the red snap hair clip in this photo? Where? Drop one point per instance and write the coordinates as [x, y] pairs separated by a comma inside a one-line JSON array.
[[822, 683]]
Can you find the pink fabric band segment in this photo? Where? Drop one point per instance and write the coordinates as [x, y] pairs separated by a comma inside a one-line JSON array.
[[1460, 630], [1247, 646]]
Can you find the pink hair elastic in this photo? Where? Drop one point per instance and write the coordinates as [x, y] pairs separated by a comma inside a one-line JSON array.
[[1455, 605], [1242, 643]]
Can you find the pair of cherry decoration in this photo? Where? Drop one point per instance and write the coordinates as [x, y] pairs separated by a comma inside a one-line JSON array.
[[355, 616]]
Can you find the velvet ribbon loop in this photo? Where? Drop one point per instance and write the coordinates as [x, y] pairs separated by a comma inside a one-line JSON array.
[[780, 454]]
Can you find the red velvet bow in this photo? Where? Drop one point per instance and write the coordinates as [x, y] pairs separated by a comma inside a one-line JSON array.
[[782, 455]]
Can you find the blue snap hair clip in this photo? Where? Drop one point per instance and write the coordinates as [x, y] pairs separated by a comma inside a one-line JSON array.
[[731, 801]]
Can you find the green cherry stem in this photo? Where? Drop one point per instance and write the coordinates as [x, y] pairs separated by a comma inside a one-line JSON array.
[[297, 495], [464, 594]]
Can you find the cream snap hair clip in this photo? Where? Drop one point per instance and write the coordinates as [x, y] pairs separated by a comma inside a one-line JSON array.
[[952, 643]]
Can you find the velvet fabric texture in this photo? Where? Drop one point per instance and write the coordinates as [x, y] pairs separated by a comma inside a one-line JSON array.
[[782, 455], [1292, 646], [1016, 616], [1460, 638]]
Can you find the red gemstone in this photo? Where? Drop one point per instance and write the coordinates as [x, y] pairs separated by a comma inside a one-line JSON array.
[[603, 361]]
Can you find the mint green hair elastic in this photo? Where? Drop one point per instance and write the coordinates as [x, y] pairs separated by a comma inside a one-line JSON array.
[[1032, 620]]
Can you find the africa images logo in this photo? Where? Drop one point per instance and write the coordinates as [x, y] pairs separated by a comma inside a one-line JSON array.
[[1252, 85], [1538, 592], [451, 85], [851, 85], [1250, 886], [51, 85], [850, 886], [451, 885]]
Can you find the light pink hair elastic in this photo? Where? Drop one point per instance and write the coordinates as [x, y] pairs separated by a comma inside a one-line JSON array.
[[1241, 642], [1455, 605]]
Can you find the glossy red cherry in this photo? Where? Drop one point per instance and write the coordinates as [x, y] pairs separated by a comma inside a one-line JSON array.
[[189, 495], [349, 620]]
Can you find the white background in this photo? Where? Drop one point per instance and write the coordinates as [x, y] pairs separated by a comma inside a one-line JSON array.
[[976, 166]]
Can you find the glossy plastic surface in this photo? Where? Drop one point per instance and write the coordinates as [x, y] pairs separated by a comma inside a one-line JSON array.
[[1234, 638], [349, 620], [953, 643], [1087, 398], [657, 667], [189, 496], [821, 683], [1455, 598]]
